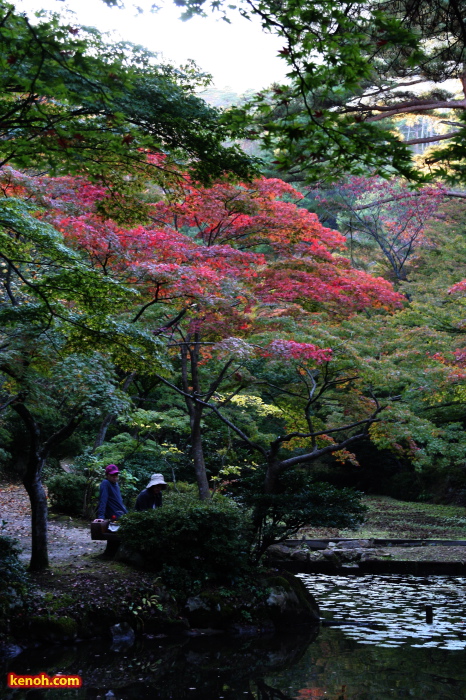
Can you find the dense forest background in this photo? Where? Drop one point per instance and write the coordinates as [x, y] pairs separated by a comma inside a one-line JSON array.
[[262, 295]]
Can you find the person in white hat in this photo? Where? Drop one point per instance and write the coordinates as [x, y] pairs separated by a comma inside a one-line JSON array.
[[151, 496]]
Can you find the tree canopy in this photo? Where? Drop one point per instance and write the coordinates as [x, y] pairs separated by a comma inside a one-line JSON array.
[[71, 102], [162, 304], [355, 68]]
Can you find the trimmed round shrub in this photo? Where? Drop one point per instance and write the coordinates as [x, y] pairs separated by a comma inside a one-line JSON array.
[[197, 540], [66, 493]]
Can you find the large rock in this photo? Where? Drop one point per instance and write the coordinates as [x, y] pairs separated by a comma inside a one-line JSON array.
[[279, 551], [289, 603], [273, 602], [300, 555], [331, 556], [52, 629], [217, 609], [127, 556], [122, 636], [355, 544]]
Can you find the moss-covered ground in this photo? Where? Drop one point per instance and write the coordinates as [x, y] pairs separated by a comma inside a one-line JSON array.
[[389, 518]]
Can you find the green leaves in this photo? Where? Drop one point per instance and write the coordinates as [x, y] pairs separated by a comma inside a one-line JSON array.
[[353, 67], [48, 285], [69, 102], [202, 540], [449, 162]]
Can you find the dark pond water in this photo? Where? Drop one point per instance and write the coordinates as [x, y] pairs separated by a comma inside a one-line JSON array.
[[384, 650]]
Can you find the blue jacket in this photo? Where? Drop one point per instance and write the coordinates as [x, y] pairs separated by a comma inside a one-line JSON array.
[[146, 501], [110, 501]]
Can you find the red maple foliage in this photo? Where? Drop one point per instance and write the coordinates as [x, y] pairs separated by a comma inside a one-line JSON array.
[[224, 263], [301, 260], [391, 213], [232, 247]]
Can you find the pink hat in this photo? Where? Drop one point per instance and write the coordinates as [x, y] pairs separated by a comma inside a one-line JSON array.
[[112, 469]]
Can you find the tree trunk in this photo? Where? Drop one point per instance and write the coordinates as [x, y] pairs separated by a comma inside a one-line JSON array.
[[271, 475], [189, 355], [36, 492], [38, 452], [198, 453], [100, 439]]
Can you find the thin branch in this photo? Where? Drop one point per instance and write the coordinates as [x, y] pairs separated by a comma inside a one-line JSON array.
[[146, 306], [216, 382], [171, 323], [403, 108], [311, 456], [387, 200], [290, 436], [60, 435], [237, 430], [5, 405], [196, 399]]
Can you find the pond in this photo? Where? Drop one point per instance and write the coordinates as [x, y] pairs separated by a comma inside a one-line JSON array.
[[382, 649]]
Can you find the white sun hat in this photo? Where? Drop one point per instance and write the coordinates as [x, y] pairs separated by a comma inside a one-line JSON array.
[[155, 480]]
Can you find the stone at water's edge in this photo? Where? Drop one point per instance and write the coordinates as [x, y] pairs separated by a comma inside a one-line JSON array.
[[289, 604], [355, 544], [122, 636], [279, 551], [127, 556], [43, 628], [285, 604]]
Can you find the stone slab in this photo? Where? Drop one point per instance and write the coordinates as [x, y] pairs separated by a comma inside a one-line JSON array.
[[414, 568]]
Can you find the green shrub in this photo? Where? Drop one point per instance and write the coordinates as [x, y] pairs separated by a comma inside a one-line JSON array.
[[51, 468], [182, 488], [13, 578], [189, 539], [66, 493], [141, 467], [298, 502]]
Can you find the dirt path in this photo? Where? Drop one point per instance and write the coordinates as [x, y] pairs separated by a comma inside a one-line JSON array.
[[68, 538]]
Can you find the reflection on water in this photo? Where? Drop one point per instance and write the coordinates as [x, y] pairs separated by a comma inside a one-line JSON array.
[[194, 669], [389, 611], [388, 653], [336, 667]]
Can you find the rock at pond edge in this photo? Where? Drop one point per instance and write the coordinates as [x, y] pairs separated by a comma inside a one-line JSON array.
[[285, 604], [289, 603]]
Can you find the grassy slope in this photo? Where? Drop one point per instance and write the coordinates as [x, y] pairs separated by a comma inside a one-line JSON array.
[[388, 518]]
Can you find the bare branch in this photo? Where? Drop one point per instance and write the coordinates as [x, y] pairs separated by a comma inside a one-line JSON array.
[[379, 202], [216, 382], [60, 435], [431, 139], [311, 456], [7, 403], [415, 106], [171, 323]]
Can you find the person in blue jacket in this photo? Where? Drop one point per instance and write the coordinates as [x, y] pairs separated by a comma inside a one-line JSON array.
[[110, 501], [151, 496]]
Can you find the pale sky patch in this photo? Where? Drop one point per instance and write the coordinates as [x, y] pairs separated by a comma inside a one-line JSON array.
[[238, 55]]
